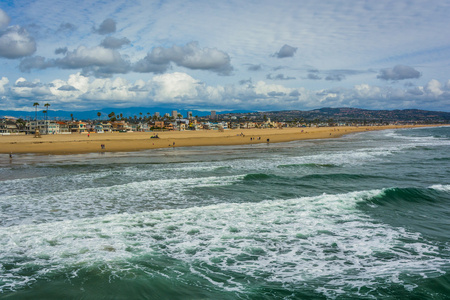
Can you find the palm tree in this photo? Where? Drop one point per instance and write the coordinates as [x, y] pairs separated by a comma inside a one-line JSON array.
[[71, 116], [46, 112], [45, 117], [112, 116], [98, 115], [35, 104]]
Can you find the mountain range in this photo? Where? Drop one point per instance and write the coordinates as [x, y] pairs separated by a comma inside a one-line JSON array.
[[355, 114], [323, 114]]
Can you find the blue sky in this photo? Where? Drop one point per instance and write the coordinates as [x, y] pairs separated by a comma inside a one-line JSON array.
[[222, 55]]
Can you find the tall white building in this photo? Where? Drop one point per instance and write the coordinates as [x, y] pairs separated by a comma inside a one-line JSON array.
[[174, 114], [213, 114], [44, 126]]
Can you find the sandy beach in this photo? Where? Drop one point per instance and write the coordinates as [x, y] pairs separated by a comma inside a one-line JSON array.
[[135, 141]]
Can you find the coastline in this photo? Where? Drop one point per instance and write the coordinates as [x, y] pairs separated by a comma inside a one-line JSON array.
[[136, 141]]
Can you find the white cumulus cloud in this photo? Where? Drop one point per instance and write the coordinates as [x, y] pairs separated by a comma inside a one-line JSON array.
[[85, 57], [190, 56], [4, 19], [15, 42], [3, 83], [173, 87], [434, 88]]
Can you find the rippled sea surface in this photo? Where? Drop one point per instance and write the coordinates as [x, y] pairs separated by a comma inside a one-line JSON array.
[[366, 216]]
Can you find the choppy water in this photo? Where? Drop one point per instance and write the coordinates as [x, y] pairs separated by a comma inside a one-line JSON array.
[[366, 216]]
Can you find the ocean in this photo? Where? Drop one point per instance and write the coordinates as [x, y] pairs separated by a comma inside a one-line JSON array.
[[365, 216]]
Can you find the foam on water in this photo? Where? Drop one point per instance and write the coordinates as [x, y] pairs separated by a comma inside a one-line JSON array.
[[336, 158], [91, 175], [323, 241], [93, 201], [419, 141], [441, 187], [207, 212]]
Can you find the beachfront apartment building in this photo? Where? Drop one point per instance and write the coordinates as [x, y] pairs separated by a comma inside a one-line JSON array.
[[215, 126], [249, 125], [169, 126], [53, 128], [77, 127], [63, 127], [98, 128], [134, 127], [144, 126], [158, 124], [121, 126], [44, 126], [107, 127]]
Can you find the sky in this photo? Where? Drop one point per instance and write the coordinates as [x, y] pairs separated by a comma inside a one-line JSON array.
[[225, 55]]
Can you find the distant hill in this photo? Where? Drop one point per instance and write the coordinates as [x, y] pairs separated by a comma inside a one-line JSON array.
[[321, 115], [356, 114]]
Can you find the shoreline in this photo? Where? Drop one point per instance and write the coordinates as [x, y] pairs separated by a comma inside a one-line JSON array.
[[63, 144]]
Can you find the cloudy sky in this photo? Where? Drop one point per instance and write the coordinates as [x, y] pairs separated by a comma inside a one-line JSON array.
[[204, 54]]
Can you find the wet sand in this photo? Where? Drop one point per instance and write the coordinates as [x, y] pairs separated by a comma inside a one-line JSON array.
[[135, 141]]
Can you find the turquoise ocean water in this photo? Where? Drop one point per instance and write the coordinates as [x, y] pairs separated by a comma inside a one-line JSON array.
[[366, 216]]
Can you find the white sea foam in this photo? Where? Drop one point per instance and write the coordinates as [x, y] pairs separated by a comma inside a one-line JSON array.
[[342, 158], [58, 222], [441, 187], [419, 140], [93, 201], [338, 158], [291, 241]]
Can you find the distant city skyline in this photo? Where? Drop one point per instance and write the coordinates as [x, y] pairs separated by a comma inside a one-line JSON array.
[[205, 55]]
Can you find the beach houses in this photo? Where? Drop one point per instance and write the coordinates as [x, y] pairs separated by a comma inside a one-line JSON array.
[[8, 127], [107, 127], [98, 128], [121, 126], [77, 127]]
